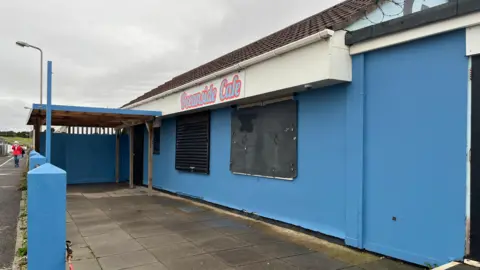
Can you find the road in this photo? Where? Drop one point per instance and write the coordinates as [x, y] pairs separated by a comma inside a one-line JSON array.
[[9, 209]]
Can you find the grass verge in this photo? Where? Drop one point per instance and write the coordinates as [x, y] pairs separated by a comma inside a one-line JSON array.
[[20, 140], [22, 245]]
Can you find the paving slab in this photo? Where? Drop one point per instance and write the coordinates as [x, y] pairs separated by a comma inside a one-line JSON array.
[[221, 242], [123, 228], [315, 260], [258, 238], [239, 257], [87, 264], [282, 249], [127, 260], [383, 264], [154, 266], [268, 265], [175, 251], [82, 253], [199, 262], [161, 240], [112, 243]]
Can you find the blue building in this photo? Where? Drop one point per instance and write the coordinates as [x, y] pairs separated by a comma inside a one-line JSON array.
[[358, 123]]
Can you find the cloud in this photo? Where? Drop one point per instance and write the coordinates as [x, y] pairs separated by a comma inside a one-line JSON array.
[[106, 53]]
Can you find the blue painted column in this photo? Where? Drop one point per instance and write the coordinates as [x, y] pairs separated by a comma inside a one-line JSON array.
[[355, 159], [33, 153], [35, 161], [49, 112], [46, 226]]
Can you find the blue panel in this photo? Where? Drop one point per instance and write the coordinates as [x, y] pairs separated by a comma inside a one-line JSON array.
[[46, 218], [415, 141], [354, 157], [314, 200], [124, 158], [89, 158], [36, 161]]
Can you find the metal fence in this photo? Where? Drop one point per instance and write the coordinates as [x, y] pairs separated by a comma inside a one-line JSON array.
[[4, 149]]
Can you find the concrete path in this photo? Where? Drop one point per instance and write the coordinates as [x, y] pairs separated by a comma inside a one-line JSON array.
[[114, 227], [9, 208]]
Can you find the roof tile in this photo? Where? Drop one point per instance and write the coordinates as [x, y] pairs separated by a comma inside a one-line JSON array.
[[335, 18]]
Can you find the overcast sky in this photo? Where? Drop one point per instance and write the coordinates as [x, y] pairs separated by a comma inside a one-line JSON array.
[[106, 53]]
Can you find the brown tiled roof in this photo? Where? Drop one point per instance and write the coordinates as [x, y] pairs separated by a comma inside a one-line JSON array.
[[334, 18]]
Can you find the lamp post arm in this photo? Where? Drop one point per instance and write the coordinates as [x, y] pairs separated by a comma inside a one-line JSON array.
[[41, 72]]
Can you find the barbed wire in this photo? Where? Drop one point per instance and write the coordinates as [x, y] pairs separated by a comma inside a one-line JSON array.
[[378, 4]]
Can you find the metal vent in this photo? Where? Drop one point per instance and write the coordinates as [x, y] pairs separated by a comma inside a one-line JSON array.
[[192, 151]]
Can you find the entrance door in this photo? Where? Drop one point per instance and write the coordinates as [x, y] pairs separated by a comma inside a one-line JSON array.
[[138, 138], [475, 162]]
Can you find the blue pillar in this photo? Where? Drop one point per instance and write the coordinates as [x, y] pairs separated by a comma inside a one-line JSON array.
[[33, 153], [36, 161], [46, 205], [355, 153], [49, 112]]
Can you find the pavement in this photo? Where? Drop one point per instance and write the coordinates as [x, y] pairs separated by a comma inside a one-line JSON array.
[[113, 227], [9, 208]]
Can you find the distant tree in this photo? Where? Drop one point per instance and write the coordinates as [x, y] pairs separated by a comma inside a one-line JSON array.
[[9, 133]]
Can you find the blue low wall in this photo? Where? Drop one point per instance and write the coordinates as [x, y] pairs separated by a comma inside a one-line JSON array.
[[46, 206], [89, 158]]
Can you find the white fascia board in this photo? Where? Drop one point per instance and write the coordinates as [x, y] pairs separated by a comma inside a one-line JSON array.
[[417, 33], [324, 62]]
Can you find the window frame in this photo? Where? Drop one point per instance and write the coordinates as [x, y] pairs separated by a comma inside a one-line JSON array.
[[192, 136], [235, 139]]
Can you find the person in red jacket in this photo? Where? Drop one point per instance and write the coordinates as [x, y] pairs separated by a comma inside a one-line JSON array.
[[17, 152]]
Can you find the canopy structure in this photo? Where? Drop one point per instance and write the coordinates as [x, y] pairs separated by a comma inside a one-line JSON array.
[[75, 116], [90, 116]]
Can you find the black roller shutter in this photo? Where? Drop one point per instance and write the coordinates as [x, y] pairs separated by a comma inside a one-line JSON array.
[[192, 151]]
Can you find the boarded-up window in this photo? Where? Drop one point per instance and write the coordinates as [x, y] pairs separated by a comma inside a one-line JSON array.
[[156, 141], [264, 140], [192, 151]]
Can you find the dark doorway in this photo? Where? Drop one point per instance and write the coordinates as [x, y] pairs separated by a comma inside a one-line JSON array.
[[138, 138], [475, 162]]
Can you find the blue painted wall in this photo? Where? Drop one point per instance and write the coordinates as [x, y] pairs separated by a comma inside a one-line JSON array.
[[415, 149], [88, 158], [390, 144], [314, 200]]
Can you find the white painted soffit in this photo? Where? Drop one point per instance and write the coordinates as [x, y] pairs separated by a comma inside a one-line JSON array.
[[417, 33], [322, 35], [473, 40]]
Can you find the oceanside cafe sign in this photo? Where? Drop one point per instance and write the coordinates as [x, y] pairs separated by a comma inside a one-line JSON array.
[[221, 90]]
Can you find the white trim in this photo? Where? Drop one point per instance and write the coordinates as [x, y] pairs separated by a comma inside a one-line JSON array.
[[468, 155], [472, 263], [416, 33], [446, 266], [6, 162], [263, 103], [263, 176], [473, 40], [322, 35]]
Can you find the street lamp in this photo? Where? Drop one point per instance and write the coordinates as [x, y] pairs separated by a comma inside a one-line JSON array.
[[26, 45]]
